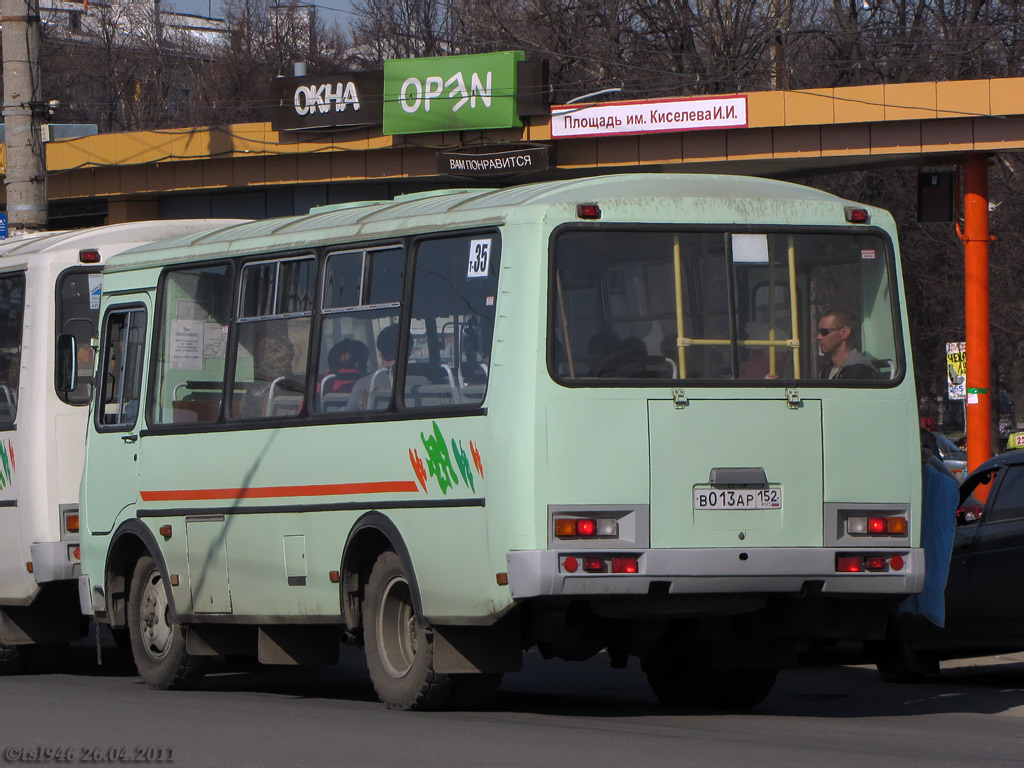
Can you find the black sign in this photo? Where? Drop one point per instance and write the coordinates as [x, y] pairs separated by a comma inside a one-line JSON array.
[[346, 100], [936, 191], [494, 161]]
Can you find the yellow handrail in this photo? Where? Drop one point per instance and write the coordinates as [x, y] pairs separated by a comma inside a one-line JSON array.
[[681, 340], [792, 308]]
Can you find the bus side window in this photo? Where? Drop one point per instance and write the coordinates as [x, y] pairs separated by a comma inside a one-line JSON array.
[[453, 308], [362, 295], [123, 354], [192, 345], [274, 323]]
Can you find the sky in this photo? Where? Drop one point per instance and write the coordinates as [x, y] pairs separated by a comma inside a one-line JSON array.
[[333, 10]]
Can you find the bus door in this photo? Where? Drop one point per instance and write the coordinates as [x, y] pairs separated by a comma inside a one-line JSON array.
[[13, 574], [115, 443], [736, 456]]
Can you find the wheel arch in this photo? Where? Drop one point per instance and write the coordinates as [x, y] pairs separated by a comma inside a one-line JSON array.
[[372, 534], [130, 541]]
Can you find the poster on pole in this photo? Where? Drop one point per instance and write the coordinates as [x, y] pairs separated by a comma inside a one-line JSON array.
[[956, 369]]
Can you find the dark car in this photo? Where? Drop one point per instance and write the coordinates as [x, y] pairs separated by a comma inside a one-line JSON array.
[[985, 588], [954, 458]]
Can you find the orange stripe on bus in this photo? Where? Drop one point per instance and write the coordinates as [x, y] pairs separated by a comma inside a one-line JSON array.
[[283, 491]]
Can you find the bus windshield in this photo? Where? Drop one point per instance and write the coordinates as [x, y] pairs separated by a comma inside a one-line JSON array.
[[719, 305]]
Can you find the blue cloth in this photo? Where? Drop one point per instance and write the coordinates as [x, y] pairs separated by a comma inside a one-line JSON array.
[[940, 497]]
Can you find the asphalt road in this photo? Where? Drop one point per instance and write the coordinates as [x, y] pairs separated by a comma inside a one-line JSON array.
[[552, 713]]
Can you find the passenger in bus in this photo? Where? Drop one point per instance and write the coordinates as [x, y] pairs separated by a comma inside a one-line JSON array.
[[602, 347], [273, 361], [9, 369], [365, 391], [346, 362], [836, 331]]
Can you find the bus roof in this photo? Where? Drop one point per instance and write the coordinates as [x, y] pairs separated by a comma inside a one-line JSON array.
[[651, 197], [101, 238]]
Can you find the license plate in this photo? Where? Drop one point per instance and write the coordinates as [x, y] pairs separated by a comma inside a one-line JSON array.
[[733, 498]]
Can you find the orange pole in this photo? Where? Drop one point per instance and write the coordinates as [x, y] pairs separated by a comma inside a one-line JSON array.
[[976, 240]]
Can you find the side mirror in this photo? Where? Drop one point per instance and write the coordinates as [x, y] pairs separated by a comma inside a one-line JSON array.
[[67, 363]]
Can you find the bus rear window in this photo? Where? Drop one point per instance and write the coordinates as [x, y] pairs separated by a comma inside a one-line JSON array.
[[722, 306], [78, 314], [12, 309]]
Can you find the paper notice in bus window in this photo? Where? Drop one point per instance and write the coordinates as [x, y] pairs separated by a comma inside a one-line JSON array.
[[868, 253], [187, 345], [750, 249], [187, 309], [215, 340], [95, 290], [479, 258]]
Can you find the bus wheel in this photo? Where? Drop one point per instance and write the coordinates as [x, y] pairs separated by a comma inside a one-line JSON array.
[[158, 639], [740, 688], [399, 646], [13, 658], [692, 682], [896, 661]]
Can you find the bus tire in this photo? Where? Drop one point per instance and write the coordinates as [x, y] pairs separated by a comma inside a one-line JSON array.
[[740, 688], [13, 658], [895, 660], [157, 637], [692, 682], [399, 645]]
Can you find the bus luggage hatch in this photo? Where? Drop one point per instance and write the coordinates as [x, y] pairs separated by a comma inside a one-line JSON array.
[[208, 565], [735, 473]]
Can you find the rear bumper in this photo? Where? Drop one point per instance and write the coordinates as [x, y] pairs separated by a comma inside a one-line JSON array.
[[791, 570], [53, 561]]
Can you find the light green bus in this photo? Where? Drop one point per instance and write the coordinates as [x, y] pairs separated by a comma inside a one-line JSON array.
[[580, 416]]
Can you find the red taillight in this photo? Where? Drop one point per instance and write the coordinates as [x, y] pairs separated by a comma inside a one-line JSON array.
[[89, 256], [77, 553], [625, 565], [588, 211], [896, 563], [593, 564], [571, 564], [585, 527], [875, 563], [876, 525], [849, 564], [858, 216]]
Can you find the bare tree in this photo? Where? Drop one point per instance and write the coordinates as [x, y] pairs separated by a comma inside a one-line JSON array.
[[399, 29]]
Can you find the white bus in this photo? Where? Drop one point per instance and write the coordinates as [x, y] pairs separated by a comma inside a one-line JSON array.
[[49, 310]]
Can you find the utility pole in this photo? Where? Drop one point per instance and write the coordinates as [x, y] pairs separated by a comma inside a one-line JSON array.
[[976, 238], [25, 174]]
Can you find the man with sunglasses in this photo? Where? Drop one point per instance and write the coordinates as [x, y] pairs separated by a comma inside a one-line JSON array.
[[835, 340]]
